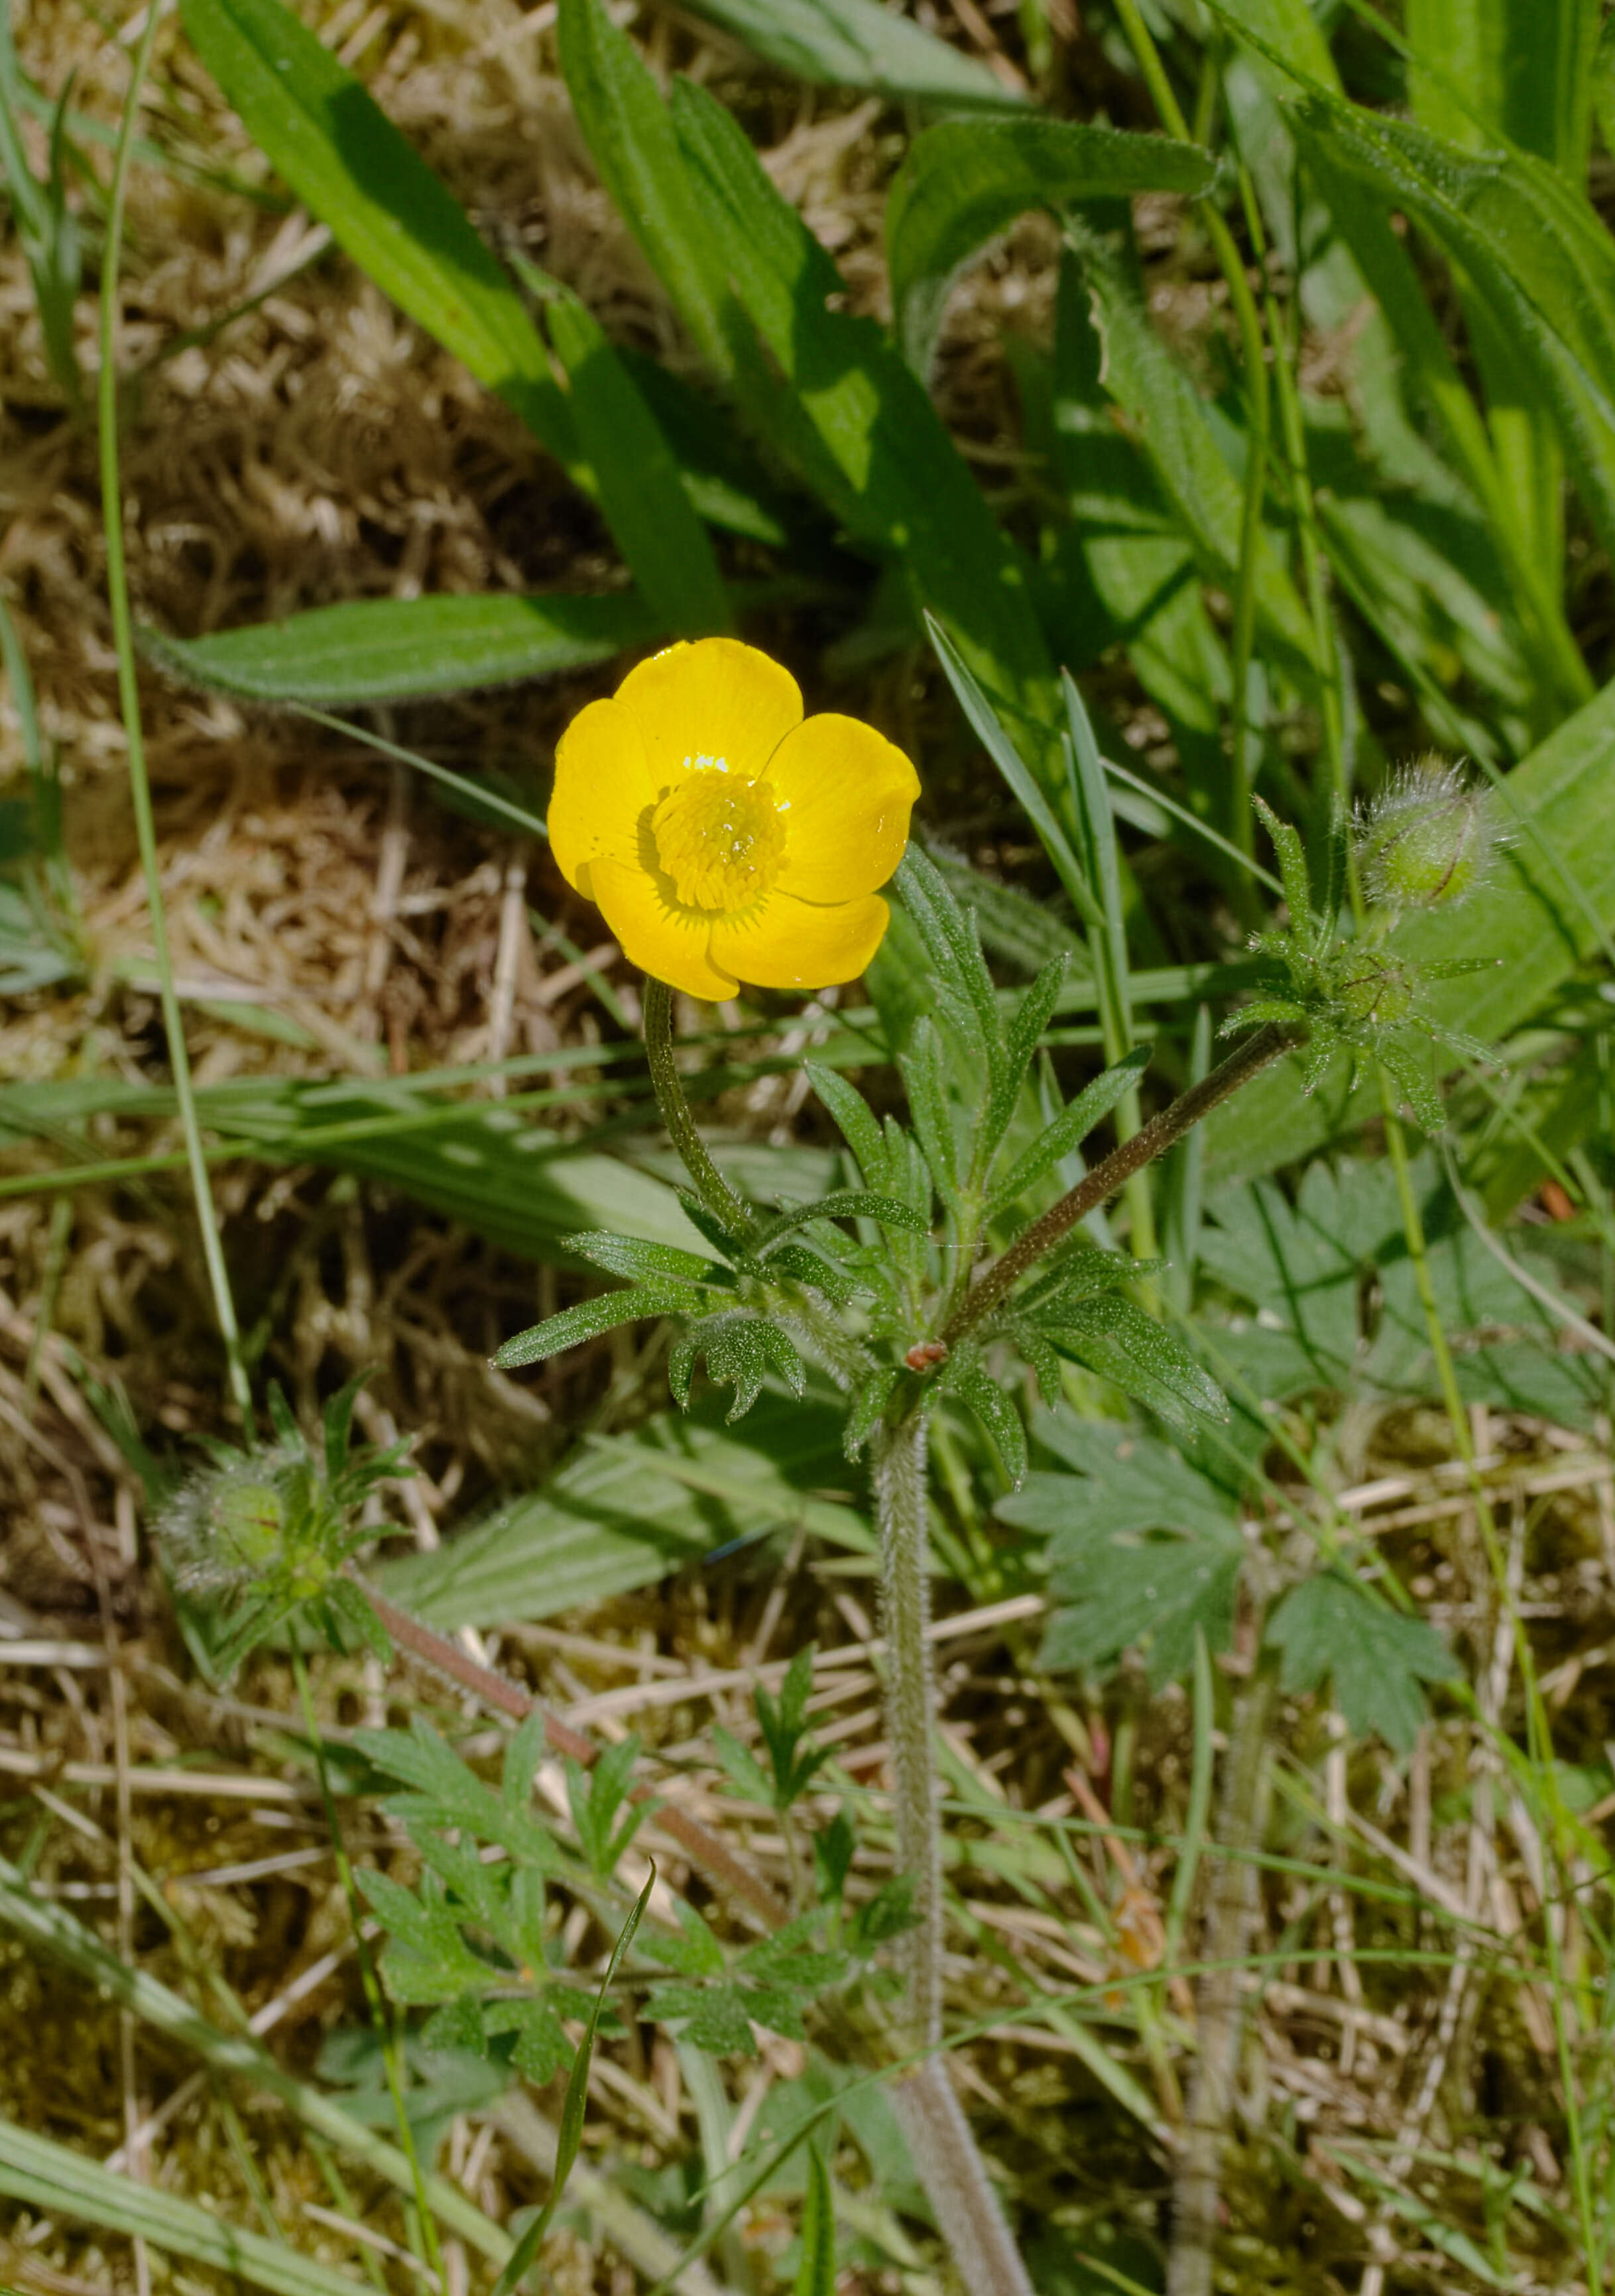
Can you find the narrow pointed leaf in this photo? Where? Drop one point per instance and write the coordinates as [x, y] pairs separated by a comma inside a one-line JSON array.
[[590, 1317], [660, 537], [1071, 1127]]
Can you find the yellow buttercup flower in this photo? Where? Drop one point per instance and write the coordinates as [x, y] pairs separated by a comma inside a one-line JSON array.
[[724, 836]]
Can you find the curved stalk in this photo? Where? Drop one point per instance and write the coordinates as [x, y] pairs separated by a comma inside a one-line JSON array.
[[710, 1185]]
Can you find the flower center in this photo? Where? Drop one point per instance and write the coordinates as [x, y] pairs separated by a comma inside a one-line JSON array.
[[721, 840]]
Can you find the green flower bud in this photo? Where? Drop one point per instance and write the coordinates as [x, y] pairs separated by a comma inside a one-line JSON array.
[[1371, 987], [248, 1520], [1427, 839]]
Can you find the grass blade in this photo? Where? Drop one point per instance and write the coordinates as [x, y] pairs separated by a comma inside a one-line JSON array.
[[989, 732], [51, 2178], [857, 44], [376, 650], [815, 2274], [349, 164], [645, 506]]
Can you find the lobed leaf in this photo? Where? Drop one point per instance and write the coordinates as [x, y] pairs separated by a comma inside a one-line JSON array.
[[930, 1107], [843, 1203], [853, 1118], [636, 1256], [1329, 1628], [1117, 1339], [973, 1385], [1031, 1016]]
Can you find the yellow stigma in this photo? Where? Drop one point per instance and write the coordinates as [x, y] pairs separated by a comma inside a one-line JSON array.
[[720, 839]]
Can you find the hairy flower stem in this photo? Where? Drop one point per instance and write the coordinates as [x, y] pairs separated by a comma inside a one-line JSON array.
[[1260, 1050], [911, 1704], [710, 1185], [945, 2152], [1224, 1942], [951, 2168]]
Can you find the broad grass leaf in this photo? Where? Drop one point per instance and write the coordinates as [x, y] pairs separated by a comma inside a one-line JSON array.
[[1164, 413], [864, 431], [722, 475], [1327, 1626], [347, 163], [640, 493], [1530, 246], [630, 138], [624, 1512], [485, 1163], [964, 181], [1122, 571], [1512, 67], [857, 44], [45, 2176], [1404, 358], [400, 649], [1528, 923]]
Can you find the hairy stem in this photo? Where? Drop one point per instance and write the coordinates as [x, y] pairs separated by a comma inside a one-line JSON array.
[[1260, 1050], [1225, 1940], [950, 2167], [710, 1185], [899, 1493]]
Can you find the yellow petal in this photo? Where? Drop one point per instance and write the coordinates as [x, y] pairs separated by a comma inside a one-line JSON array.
[[845, 793], [670, 942], [785, 943], [716, 699], [603, 787]]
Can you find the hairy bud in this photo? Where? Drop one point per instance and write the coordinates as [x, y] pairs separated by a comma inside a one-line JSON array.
[[1427, 839]]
